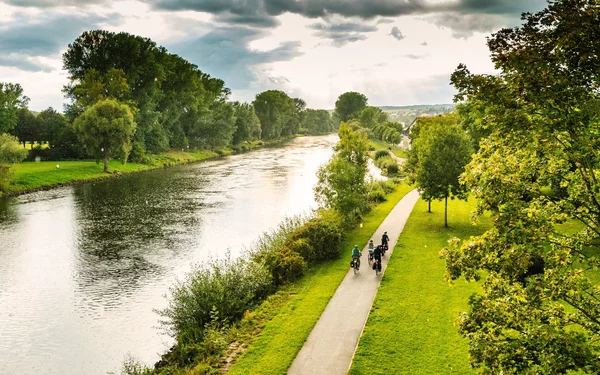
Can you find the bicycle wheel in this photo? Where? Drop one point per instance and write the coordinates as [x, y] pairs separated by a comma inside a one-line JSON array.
[[355, 268]]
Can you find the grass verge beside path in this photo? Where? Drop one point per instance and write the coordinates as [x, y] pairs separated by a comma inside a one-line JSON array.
[[282, 337], [411, 328], [381, 145]]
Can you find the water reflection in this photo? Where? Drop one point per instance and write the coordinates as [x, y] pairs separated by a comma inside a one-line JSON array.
[[82, 268]]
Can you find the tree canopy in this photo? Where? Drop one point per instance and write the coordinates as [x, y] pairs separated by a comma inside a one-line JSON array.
[[11, 100], [349, 105], [537, 174], [106, 129]]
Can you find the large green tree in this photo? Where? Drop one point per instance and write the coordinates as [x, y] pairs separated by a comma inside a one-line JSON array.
[[29, 128], [537, 174], [317, 121], [341, 184], [11, 100], [349, 105], [440, 154], [106, 129], [275, 110], [247, 124]]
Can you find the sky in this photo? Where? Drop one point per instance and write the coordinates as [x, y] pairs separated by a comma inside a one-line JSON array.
[[396, 52]]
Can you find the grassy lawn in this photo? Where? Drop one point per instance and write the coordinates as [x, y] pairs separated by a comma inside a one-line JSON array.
[[411, 328], [33, 175], [283, 335], [381, 145]]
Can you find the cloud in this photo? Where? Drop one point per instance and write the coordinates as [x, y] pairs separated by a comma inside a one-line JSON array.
[[224, 53], [463, 26], [52, 3], [424, 44], [414, 57], [503, 7], [23, 38], [397, 34], [343, 33], [385, 20]]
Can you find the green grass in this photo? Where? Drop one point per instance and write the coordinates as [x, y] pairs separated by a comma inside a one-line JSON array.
[[34, 175], [381, 145], [411, 328], [282, 337]]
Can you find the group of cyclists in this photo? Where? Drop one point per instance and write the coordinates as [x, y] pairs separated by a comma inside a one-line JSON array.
[[375, 253]]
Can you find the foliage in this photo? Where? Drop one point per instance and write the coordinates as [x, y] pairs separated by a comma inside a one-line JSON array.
[[229, 286], [11, 99], [318, 121], [349, 105], [289, 323], [276, 111], [372, 116], [247, 124], [381, 154], [10, 153], [318, 239], [539, 311], [439, 153], [341, 184], [106, 128], [29, 127]]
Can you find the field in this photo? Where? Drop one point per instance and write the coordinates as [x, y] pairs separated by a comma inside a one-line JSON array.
[[411, 328]]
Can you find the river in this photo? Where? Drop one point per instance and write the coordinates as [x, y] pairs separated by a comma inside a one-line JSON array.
[[82, 268]]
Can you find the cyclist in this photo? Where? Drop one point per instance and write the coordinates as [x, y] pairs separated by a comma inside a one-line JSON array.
[[371, 248], [385, 239], [377, 255], [356, 255], [371, 244]]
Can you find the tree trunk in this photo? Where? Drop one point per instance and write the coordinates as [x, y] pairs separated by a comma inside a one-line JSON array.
[[105, 160], [446, 214], [429, 209]]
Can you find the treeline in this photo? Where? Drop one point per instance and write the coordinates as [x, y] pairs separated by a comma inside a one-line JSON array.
[[173, 103]]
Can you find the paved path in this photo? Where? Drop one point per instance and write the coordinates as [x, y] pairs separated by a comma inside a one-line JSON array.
[[400, 161], [331, 344]]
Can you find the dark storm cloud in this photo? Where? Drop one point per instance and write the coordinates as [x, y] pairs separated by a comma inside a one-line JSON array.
[[22, 38], [224, 53], [465, 25], [342, 33], [52, 3], [397, 34]]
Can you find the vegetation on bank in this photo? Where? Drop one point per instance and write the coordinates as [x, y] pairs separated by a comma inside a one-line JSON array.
[[411, 328], [293, 318], [205, 310]]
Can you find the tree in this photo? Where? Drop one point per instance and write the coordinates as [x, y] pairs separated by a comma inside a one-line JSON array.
[[442, 152], [341, 184], [247, 124], [106, 129], [11, 100], [539, 308], [29, 128], [10, 153], [275, 109], [317, 121], [215, 127], [370, 117], [349, 105]]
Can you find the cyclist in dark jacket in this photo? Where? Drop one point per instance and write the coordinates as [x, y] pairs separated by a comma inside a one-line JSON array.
[[385, 239], [377, 255]]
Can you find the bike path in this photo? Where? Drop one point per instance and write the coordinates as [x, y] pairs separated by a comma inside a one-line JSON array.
[[331, 344]]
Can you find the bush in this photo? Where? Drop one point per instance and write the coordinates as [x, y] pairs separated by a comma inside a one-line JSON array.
[[285, 265], [225, 285], [386, 187], [381, 154], [323, 234], [376, 196], [392, 169]]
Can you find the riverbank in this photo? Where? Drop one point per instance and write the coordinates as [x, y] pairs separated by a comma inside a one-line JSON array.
[[286, 321], [36, 176]]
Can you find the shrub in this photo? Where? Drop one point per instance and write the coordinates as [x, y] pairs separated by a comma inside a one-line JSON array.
[[392, 169], [226, 285], [303, 247], [381, 154], [384, 186], [323, 233], [376, 196], [285, 265]]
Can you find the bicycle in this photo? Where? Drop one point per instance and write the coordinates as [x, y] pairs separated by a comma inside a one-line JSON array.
[[370, 258], [384, 248], [355, 264], [377, 267]]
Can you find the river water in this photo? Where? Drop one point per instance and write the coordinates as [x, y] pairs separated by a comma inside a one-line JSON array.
[[82, 268]]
